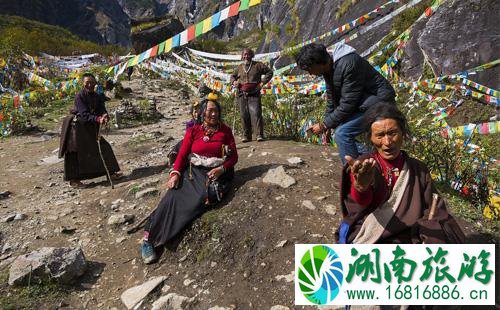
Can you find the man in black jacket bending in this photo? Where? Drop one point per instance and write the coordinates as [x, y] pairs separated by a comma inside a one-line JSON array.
[[352, 85]]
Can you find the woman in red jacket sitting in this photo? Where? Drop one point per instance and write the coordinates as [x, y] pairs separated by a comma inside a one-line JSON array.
[[201, 175]]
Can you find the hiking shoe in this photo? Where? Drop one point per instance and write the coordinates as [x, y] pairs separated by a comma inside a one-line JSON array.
[[76, 184], [260, 138], [245, 140], [148, 253]]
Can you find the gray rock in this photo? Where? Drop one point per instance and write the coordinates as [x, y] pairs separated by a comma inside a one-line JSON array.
[[287, 277], [279, 177], [20, 217], [295, 160], [134, 295], [173, 301], [61, 264], [308, 204], [119, 219], [463, 35], [5, 194], [330, 209], [281, 244], [146, 192], [51, 160]]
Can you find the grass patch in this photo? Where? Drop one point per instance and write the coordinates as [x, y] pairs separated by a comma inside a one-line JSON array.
[[37, 296]]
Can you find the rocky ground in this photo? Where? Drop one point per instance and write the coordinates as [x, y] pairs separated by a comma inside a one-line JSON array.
[[239, 255]]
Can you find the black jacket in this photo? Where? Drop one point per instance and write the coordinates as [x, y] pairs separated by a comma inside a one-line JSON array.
[[352, 82]]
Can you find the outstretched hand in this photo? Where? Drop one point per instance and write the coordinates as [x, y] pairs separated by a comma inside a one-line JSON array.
[[363, 172]]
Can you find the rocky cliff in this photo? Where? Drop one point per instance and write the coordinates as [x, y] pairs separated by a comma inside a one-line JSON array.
[[460, 35], [101, 21]]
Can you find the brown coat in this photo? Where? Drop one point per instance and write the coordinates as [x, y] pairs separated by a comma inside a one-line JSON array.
[[254, 75], [410, 223]]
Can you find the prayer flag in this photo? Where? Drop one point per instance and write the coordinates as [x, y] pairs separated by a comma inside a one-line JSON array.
[[207, 25], [168, 45], [198, 29], [233, 9], [161, 47], [224, 14], [254, 2], [216, 19], [244, 5], [191, 32], [175, 41], [154, 51], [184, 37]]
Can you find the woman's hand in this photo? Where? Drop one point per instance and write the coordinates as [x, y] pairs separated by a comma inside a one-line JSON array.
[[215, 173], [363, 172], [173, 181]]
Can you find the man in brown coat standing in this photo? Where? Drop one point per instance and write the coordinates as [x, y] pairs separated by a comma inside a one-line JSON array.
[[247, 78]]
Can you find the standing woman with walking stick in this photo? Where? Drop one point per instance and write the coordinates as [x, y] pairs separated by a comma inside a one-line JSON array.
[[86, 154]]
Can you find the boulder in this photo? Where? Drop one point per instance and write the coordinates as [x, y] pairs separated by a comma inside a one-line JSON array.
[[173, 301], [136, 294], [61, 264], [279, 177], [119, 219], [462, 35]]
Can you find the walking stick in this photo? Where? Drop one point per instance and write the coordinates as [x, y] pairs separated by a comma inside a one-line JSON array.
[[234, 111], [102, 157], [433, 209]]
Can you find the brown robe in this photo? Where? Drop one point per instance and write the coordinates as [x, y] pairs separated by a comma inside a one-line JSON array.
[[78, 143], [409, 223]]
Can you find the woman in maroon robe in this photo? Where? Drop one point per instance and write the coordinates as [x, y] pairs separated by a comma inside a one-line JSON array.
[[386, 195]]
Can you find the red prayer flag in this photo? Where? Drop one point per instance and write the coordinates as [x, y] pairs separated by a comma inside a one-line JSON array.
[[191, 32], [428, 11], [233, 9], [16, 102], [154, 51]]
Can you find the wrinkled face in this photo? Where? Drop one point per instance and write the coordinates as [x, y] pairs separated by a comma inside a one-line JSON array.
[[89, 83], [246, 56], [211, 114], [387, 138]]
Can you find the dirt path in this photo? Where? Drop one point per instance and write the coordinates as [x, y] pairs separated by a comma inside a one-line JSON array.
[[239, 255]]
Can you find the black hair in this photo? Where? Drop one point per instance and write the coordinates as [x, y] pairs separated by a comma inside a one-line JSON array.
[[203, 109], [88, 74], [381, 111], [312, 54]]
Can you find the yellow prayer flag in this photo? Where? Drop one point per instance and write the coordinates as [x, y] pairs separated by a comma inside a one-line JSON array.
[[168, 45], [253, 2], [460, 130], [136, 60], [207, 24]]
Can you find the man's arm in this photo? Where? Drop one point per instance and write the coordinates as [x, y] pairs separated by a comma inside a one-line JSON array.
[[351, 94], [267, 73], [235, 76]]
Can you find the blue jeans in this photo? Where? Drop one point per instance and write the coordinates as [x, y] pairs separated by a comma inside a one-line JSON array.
[[345, 137]]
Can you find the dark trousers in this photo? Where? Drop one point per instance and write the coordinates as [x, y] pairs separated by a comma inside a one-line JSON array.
[[251, 115]]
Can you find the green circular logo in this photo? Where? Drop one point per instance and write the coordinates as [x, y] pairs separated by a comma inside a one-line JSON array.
[[320, 274]]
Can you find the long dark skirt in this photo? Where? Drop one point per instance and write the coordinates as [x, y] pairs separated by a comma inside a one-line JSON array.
[[81, 159], [182, 205]]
